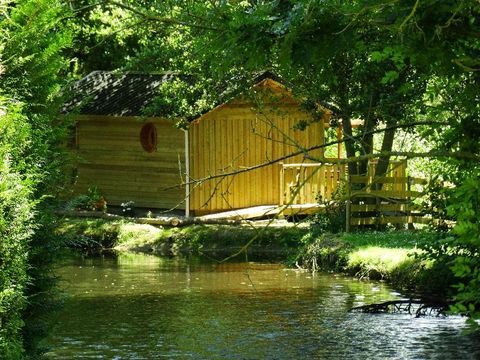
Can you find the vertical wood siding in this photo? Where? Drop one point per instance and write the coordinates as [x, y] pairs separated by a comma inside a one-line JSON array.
[[111, 158], [311, 183], [237, 136]]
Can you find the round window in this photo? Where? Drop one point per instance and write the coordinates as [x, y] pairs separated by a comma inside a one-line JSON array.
[[148, 137]]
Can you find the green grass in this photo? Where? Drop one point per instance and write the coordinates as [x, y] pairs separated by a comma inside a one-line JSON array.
[[393, 256], [381, 260], [390, 239], [224, 239], [380, 254]]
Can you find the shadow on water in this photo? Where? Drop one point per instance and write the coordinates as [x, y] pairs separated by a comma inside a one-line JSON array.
[[145, 307]]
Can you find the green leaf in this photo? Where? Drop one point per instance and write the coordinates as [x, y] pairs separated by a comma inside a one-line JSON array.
[[389, 77]]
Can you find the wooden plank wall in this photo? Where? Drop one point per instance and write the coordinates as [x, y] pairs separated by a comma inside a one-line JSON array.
[[111, 158], [236, 136]]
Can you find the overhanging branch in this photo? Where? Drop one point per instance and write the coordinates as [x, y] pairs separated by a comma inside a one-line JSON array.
[[430, 154], [158, 18]]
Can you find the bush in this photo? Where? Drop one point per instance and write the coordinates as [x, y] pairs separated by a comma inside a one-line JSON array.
[[333, 218], [16, 227], [91, 201], [324, 252], [33, 37], [466, 245]]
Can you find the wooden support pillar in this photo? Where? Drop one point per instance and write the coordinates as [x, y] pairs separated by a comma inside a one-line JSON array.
[[187, 174], [348, 209], [339, 145], [282, 184]]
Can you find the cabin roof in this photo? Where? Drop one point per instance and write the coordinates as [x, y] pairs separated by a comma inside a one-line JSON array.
[[262, 81], [115, 94], [112, 93]]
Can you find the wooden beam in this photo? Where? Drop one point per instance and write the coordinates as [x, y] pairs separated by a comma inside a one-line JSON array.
[[391, 220], [385, 207], [244, 214]]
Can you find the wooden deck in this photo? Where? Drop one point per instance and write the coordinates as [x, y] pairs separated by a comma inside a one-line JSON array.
[[244, 214], [302, 209]]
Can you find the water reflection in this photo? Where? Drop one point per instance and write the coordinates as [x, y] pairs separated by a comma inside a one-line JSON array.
[[145, 307]]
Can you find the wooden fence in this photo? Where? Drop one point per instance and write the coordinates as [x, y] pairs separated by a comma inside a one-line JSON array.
[[371, 200], [384, 200], [309, 183]]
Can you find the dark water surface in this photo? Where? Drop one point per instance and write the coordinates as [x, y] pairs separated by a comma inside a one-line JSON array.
[[146, 307]]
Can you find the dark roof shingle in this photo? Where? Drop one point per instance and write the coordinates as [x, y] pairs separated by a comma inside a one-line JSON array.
[[109, 93]]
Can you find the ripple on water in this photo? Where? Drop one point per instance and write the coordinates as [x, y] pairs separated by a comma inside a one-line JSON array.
[[170, 308]]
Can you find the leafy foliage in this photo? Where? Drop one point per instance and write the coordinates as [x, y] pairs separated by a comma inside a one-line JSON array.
[[32, 40], [92, 201], [389, 63], [332, 218], [466, 266], [16, 228]]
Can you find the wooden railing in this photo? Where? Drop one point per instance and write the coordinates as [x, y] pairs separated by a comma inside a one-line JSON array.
[[309, 183], [384, 200], [371, 200]]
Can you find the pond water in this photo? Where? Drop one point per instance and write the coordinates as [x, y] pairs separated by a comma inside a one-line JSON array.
[[146, 307]]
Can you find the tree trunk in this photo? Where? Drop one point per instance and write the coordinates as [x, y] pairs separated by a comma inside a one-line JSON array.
[[367, 145], [387, 144], [349, 145], [367, 138], [346, 115]]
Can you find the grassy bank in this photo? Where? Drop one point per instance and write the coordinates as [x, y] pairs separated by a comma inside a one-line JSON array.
[[393, 256], [223, 240]]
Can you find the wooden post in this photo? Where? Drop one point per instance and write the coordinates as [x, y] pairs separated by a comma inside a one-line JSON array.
[[339, 145], [282, 184], [409, 203], [348, 206], [302, 186], [282, 189], [187, 177]]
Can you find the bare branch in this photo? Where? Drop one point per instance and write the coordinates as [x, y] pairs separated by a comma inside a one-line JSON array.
[[436, 154], [410, 16], [465, 67]]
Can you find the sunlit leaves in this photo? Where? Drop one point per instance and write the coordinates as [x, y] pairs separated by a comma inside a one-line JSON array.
[[16, 225], [33, 41], [466, 266]]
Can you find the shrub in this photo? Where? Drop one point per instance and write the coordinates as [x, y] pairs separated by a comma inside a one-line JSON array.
[[332, 219], [466, 244], [91, 201], [16, 227]]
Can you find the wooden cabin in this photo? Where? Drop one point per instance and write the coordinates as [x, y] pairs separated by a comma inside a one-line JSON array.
[[252, 150], [232, 140], [125, 155]]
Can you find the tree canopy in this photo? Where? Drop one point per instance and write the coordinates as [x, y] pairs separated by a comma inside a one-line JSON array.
[[410, 66]]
